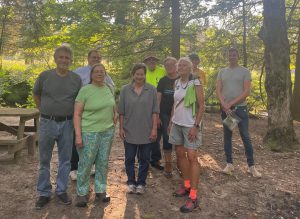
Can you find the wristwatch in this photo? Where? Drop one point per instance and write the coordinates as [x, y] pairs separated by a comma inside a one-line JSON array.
[[196, 125]]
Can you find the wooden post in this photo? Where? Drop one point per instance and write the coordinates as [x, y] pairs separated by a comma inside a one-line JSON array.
[[32, 141], [20, 135]]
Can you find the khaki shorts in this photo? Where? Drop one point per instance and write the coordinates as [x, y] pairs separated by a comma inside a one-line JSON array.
[[179, 136]]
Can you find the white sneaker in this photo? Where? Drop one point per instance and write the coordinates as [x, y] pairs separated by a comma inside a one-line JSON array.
[[93, 171], [140, 189], [228, 169], [73, 175], [253, 171], [131, 189]]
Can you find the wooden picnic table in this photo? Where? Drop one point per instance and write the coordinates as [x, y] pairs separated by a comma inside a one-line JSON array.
[[23, 138]]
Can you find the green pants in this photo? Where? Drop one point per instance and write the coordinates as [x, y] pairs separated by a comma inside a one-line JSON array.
[[96, 148]]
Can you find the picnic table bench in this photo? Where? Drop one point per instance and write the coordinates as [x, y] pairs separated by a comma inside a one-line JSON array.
[[23, 138]]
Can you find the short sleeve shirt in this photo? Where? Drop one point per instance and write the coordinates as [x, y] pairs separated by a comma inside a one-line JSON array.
[[137, 111], [232, 80], [57, 92], [182, 115], [166, 88], [153, 77], [98, 103]]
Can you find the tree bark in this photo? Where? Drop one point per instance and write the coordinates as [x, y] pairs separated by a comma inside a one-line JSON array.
[[280, 135], [245, 57], [296, 93], [175, 29], [2, 36]]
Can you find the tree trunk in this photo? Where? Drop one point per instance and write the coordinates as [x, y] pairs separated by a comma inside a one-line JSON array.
[[280, 134], [245, 57], [2, 37], [175, 29], [296, 93]]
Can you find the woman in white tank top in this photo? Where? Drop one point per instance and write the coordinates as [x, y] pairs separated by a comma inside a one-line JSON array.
[[185, 132]]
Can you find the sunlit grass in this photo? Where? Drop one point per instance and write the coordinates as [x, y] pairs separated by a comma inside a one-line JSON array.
[[13, 65]]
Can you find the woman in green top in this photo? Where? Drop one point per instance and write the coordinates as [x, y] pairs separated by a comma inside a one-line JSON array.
[[94, 119]]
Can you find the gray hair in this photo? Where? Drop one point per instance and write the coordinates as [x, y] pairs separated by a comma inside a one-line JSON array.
[[65, 49], [170, 58], [186, 59]]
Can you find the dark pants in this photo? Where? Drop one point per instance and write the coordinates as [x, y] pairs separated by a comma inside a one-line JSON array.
[[75, 157], [155, 149], [241, 112], [165, 119], [143, 153]]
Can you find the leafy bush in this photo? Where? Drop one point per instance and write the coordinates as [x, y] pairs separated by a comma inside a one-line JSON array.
[[14, 88], [16, 81]]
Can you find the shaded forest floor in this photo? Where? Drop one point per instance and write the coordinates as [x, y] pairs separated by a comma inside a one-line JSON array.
[[275, 195]]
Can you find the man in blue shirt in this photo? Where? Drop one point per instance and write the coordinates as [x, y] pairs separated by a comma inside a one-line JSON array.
[[94, 57]]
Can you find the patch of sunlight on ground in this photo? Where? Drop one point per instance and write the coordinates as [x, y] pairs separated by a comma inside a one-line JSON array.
[[46, 215], [208, 161], [119, 212], [137, 212], [218, 126]]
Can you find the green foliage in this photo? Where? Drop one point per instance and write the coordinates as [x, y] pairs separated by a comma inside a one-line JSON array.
[[125, 31], [16, 81], [257, 100]]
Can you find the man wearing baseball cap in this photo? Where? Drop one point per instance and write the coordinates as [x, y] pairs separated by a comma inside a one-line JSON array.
[[153, 74]]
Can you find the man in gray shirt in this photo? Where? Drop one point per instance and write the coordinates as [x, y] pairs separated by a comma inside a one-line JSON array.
[[233, 87], [54, 93]]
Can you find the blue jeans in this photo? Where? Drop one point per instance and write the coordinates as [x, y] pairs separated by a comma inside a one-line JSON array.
[[241, 112], [155, 149], [143, 153], [61, 133], [165, 119]]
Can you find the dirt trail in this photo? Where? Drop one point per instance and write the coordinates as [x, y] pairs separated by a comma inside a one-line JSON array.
[[276, 195]]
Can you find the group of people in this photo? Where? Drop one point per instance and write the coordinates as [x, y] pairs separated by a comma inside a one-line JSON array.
[[78, 111]]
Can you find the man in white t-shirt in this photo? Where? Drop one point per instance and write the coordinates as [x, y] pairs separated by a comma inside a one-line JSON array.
[[233, 87]]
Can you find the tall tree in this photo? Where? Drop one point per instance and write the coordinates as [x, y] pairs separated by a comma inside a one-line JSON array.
[[176, 28], [245, 56], [280, 134], [4, 19], [9, 27], [296, 93]]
